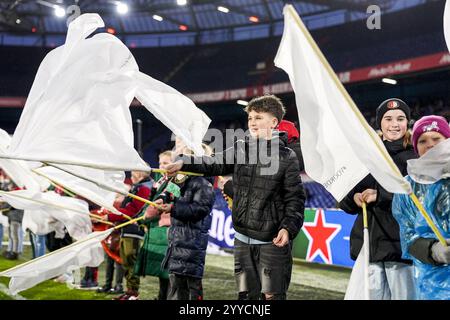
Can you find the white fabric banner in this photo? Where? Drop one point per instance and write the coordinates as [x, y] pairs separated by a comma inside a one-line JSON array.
[[339, 147], [86, 252], [19, 171], [45, 212], [77, 111], [84, 188]]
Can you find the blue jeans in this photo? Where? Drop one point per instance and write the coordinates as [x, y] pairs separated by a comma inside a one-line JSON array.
[[391, 281], [38, 243]]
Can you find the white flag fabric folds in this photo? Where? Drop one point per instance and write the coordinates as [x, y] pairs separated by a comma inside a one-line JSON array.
[[447, 24], [86, 252], [357, 285], [47, 211], [78, 113], [84, 188], [17, 170], [339, 147], [176, 111], [432, 166]]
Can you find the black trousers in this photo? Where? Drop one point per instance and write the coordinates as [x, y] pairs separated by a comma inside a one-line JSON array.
[[262, 269], [163, 288], [184, 288], [111, 266]]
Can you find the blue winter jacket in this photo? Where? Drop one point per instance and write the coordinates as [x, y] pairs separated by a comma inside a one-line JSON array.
[[188, 233]]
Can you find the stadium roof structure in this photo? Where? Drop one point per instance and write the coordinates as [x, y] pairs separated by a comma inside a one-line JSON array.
[[142, 23]]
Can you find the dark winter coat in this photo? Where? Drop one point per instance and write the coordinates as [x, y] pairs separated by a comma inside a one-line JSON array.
[[263, 201], [188, 232], [384, 232]]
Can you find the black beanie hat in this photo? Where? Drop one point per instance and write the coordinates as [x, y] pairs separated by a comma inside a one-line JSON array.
[[392, 104]]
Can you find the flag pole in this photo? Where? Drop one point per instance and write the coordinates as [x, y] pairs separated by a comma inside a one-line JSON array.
[[366, 253], [96, 217], [74, 163], [71, 192], [361, 119], [70, 246], [94, 166], [47, 255], [43, 202], [106, 187], [187, 173], [428, 219]]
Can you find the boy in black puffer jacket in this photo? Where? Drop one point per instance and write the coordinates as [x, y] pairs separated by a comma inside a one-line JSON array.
[[188, 236], [268, 200]]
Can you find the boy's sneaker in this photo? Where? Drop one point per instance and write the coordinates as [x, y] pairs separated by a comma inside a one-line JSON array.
[[11, 255], [117, 290], [104, 289], [129, 295]]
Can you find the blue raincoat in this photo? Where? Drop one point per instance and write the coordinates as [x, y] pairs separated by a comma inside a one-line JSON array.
[[432, 282]]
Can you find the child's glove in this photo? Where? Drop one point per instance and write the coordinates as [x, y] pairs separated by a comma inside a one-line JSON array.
[[440, 254]]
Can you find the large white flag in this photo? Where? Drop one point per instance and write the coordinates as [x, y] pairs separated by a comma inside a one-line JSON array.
[[86, 252], [77, 111], [47, 211], [19, 171], [339, 147], [447, 24]]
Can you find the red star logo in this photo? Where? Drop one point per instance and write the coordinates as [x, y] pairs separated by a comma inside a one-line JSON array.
[[320, 233]]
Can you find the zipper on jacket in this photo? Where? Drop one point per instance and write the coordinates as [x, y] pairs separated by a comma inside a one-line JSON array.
[[250, 186]]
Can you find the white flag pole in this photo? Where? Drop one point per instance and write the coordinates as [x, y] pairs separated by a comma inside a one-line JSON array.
[[366, 253]]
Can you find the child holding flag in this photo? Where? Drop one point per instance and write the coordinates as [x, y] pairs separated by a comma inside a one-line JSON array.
[[390, 275], [430, 180], [268, 200]]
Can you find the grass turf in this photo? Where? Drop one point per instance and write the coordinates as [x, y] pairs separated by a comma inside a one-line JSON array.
[[309, 282]]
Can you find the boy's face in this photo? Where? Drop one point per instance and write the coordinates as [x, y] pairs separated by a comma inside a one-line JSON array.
[[164, 161], [261, 124], [137, 176]]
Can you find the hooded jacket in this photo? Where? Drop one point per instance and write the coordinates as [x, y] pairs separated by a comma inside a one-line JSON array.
[[268, 193]]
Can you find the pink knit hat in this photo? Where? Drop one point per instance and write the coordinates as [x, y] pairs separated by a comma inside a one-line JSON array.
[[429, 123]]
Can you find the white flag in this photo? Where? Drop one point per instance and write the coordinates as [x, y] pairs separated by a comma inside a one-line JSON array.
[[78, 113], [339, 147], [357, 288], [447, 24], [46, 211], [86, 252], [19, 171], [176, 111], [88, 190]]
